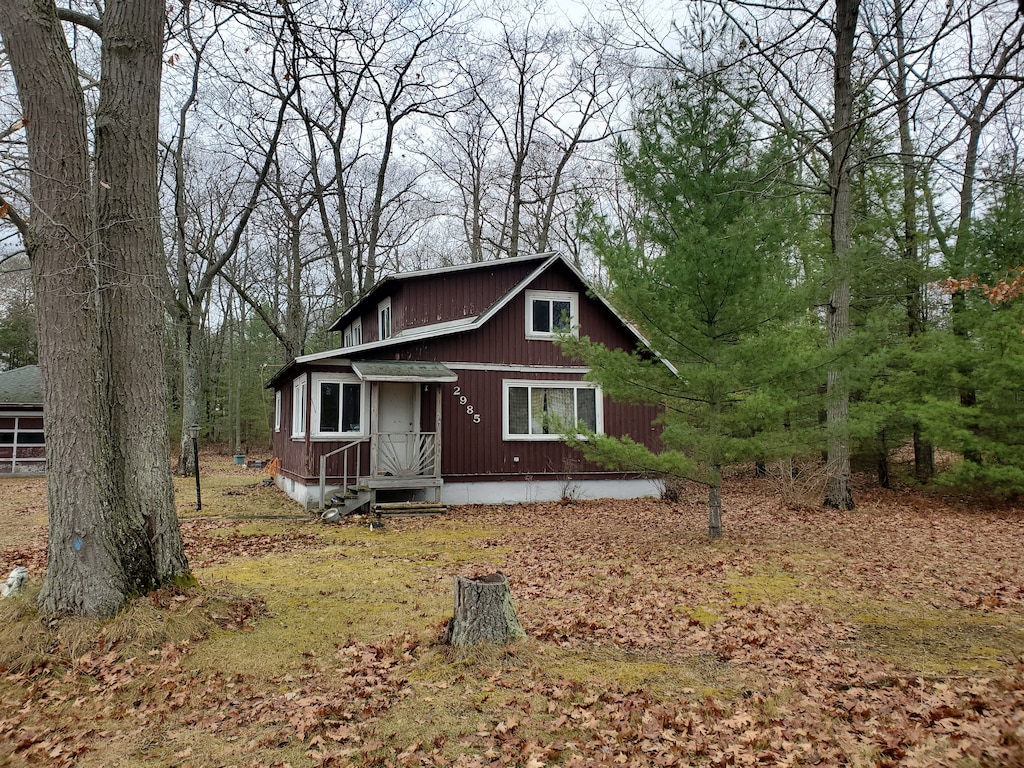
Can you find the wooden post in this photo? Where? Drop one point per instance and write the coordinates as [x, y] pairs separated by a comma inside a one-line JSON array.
[[483, 612]]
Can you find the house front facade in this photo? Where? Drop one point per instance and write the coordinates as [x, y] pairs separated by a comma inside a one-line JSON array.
[[449, 387]]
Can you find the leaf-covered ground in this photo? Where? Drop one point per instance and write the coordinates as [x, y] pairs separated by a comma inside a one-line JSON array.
[[890, 635]]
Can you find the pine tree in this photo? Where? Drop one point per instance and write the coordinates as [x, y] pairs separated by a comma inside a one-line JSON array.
[[706, 269], [986, 356]]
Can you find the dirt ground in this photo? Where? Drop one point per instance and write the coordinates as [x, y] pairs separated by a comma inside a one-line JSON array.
[[889, 635]]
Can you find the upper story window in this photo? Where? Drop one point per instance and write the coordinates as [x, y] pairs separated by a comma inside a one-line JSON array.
[[549, 313], [337, 407], [541, 410], [384, 319], [353, 334]]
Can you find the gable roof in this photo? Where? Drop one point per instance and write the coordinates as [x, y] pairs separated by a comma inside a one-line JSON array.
[[544, 261], [385, 285], [22, 386]]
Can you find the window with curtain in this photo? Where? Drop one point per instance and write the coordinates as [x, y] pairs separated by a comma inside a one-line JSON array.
[[544, 410]]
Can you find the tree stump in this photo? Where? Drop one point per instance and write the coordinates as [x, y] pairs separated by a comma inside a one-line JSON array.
[[483, 612]]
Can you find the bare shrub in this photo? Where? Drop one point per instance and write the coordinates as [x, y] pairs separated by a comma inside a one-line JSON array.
[[799, 481]]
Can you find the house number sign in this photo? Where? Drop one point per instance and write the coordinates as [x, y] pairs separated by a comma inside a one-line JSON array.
[[464, 402]]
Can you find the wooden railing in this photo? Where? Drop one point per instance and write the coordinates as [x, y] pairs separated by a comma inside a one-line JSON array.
[[398, 455], [343, 450], [407, 454]]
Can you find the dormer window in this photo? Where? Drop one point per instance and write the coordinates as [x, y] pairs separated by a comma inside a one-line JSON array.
[[549, 313], [353, 335], [384, 319]]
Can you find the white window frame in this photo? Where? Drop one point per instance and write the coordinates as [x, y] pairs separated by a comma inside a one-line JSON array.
[[364, 410], [532, 384], [353, 335], [573, 299], [385, 320], [299, 407], [277, 410]]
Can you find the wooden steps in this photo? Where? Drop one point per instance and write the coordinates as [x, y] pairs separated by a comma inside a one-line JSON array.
[[408, 508]]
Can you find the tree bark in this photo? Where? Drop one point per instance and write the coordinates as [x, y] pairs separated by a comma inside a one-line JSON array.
[[62, 256], [913, 269], [96, 263], [190, 334], [837, 491], [483, 612], [715, 510], [132, 291]]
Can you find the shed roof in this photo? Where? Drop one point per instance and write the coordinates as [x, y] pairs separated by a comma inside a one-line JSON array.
[[402, 370], [22, 386]]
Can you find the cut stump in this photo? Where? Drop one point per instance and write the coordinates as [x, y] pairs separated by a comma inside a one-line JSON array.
[[483, 612]]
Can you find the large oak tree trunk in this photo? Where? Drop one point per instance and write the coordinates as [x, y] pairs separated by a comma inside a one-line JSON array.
[[128, 210], [97, 271], [62, 255]]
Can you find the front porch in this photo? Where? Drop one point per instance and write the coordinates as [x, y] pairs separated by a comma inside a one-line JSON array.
[[400, 460]]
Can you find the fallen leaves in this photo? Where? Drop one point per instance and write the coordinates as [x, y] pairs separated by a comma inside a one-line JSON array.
[[772, 618]]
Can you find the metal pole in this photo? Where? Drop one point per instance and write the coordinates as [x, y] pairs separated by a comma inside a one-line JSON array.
[[195, 455]]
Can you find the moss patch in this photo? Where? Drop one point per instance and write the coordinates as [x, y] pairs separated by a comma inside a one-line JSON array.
[[361, 586], [692, 677], [911, 636], [932, 642], [767, 584]]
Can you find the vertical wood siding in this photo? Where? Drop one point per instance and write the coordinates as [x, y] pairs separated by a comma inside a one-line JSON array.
[[472, 448]]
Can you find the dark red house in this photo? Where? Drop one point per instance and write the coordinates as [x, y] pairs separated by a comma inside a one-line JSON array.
[[448, 387]]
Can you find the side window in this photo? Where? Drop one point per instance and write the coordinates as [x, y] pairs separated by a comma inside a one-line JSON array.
[[299, 407], [384, 319], [541, 410], [549, 313], [353, 335], [277, 411]]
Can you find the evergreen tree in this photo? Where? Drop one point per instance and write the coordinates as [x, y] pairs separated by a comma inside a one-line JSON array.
[[707, 270], [986, 356], [18, 344], [17, 335]]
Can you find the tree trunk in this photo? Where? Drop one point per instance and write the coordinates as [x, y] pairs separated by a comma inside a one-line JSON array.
[[190, 330], [483, 612], [715, 510], [913, 269], [837, 491], [882, 461], [924, 458], [128, 210], [96, 263], [62, 256]]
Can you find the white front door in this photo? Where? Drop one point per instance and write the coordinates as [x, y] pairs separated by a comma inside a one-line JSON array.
[[397, 422]]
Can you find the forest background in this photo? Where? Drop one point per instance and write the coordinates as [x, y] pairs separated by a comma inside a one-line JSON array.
[[309, 149]]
